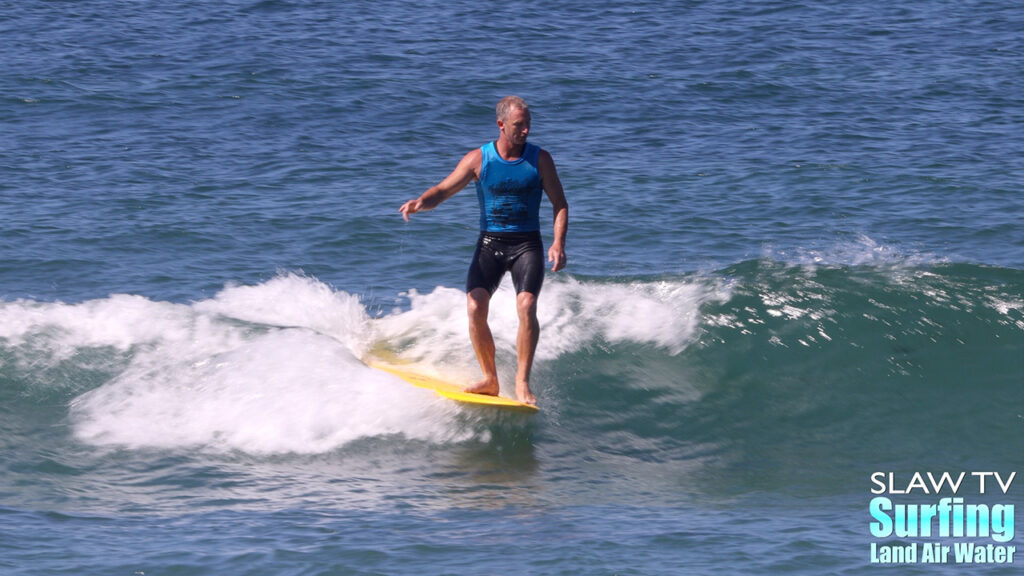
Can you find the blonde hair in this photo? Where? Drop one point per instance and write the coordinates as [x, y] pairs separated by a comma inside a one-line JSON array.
[[506, 104]]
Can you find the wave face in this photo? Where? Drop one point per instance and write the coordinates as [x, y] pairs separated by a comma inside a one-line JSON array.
[[759, 364]]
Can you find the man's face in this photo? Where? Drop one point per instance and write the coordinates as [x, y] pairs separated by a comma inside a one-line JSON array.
[[516, 126]]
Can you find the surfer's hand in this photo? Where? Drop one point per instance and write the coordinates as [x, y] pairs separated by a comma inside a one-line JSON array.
[[410, 207], [556, 255]]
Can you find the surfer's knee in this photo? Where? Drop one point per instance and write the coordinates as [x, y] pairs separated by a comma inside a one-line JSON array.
[[526, 303], [477, 302]]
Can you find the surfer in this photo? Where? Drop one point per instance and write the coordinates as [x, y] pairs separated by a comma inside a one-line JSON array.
[[510, 175]]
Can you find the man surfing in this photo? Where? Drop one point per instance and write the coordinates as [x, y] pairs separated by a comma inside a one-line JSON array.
[[510, 175]]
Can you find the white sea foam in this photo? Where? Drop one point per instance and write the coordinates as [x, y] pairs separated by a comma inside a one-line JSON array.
[[277, 367], [120, 321], [294, 301], [860, 250], [283, 391], [573, 316]]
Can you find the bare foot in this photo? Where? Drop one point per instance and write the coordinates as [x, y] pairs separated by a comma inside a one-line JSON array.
[[485, 386], [524, 395]]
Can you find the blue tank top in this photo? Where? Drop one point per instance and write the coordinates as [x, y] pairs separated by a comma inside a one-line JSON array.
[[509, 192]]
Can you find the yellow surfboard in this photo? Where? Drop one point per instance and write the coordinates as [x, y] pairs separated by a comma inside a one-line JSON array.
[[452, 391]]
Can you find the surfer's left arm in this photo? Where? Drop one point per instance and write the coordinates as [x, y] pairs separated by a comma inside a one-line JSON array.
[[553, 188]]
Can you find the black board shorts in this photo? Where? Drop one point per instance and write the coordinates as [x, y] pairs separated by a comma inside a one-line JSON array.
[[521, 253]]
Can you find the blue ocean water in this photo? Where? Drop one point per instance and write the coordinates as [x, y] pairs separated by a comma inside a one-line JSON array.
[[796, 259]]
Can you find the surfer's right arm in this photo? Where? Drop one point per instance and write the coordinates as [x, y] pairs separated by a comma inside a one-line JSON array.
[[467, 171]]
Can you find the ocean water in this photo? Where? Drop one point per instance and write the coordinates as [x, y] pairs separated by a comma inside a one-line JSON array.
[[796, 262]]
